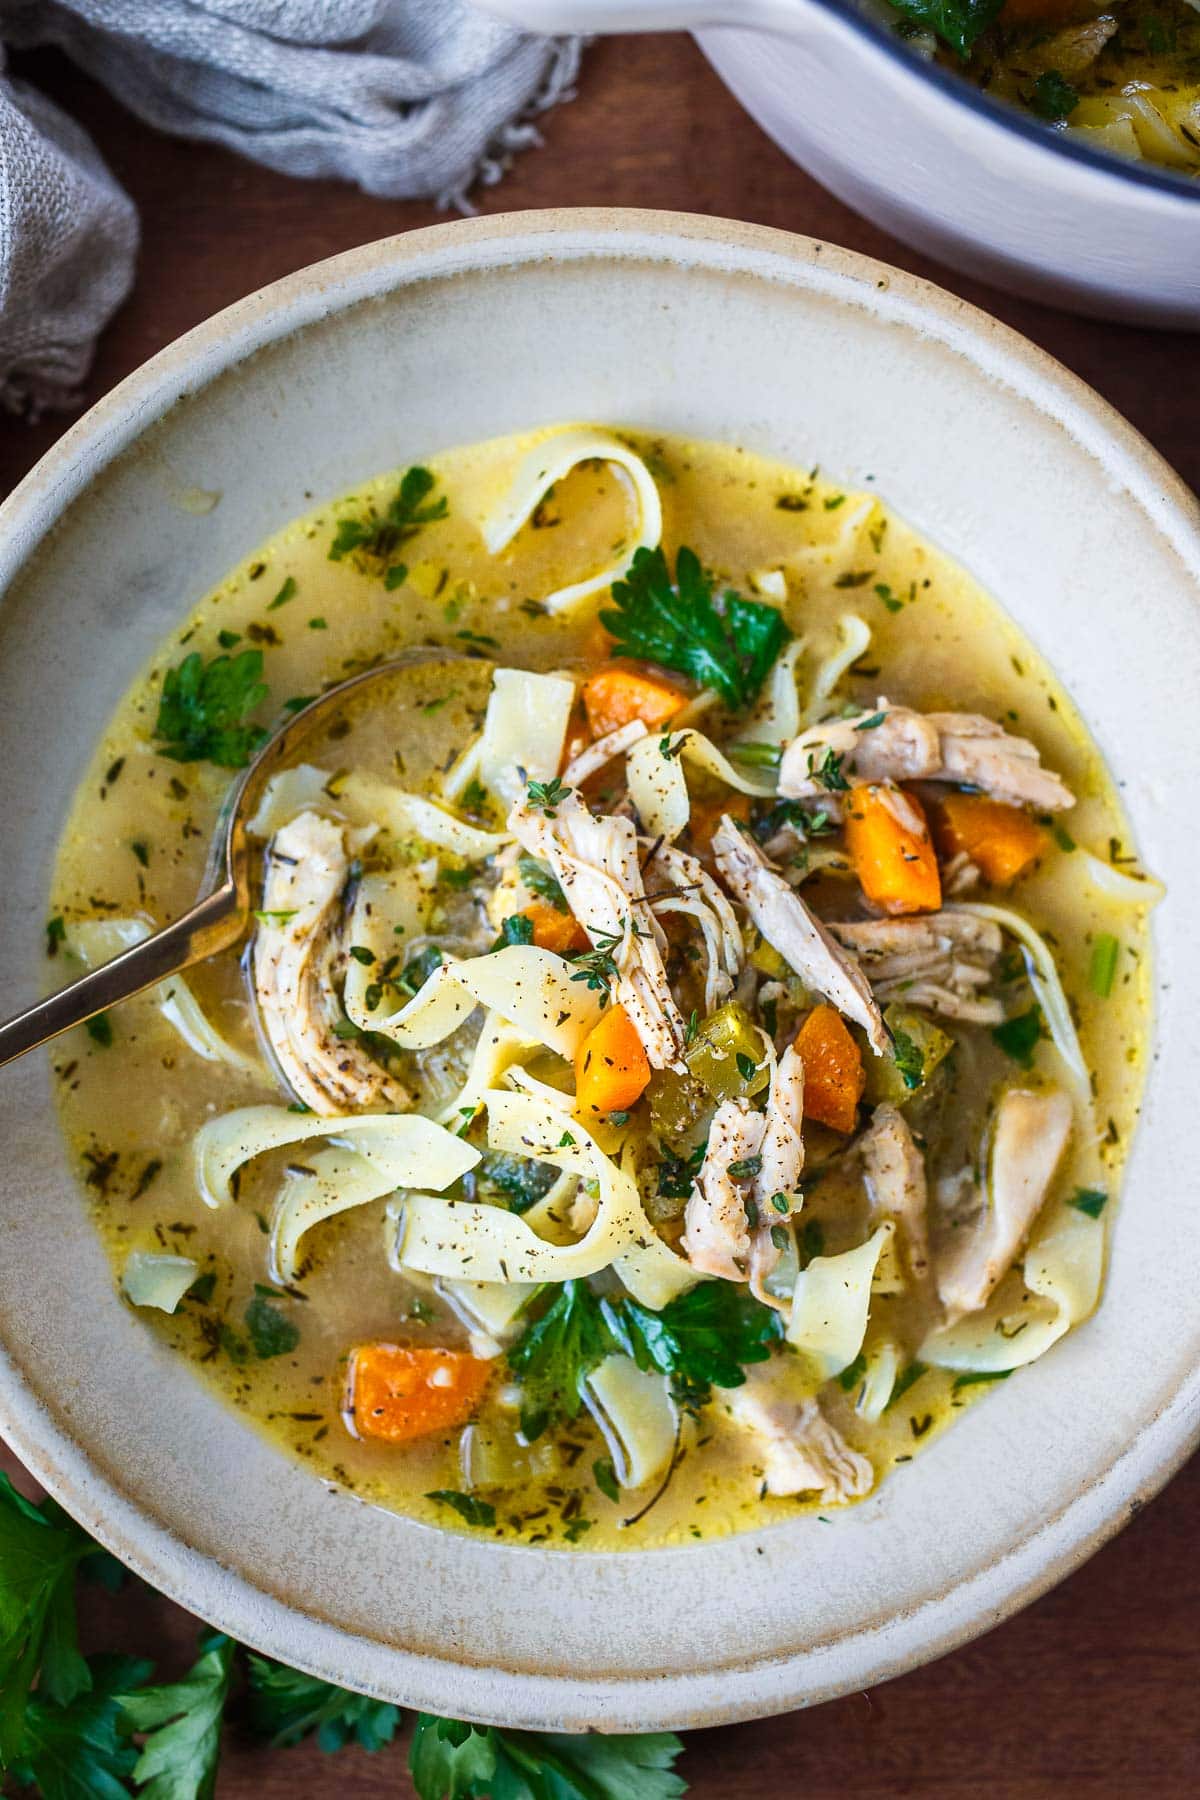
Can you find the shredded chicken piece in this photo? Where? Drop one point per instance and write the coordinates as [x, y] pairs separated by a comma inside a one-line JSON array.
[[678, 883], [909, 746], [801, 1451], [716, 1230], [296, 957], [595, 861], [941, 961], [894, 1171], [782, 1152], [604, 750], [1029, 1134], [798, 935]]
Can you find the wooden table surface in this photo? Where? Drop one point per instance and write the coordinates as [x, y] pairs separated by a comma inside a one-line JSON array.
[[1095, 1689]]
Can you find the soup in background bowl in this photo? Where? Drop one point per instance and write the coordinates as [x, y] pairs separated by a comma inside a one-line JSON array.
[[1048, 532]]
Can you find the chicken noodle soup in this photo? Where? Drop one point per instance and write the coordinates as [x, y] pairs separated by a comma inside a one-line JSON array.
[[1119, 75], [694, 1014]]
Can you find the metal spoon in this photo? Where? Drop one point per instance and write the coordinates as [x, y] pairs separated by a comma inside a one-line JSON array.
[[218, 919]]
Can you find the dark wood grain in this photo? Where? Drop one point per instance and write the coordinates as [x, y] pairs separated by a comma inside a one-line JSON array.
[[1093, 1690]]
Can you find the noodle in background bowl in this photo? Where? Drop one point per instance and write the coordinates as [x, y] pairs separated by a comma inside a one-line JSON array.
[[720, 331]]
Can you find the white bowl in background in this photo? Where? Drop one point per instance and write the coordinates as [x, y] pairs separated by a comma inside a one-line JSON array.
[[389, 354], [929, 157]]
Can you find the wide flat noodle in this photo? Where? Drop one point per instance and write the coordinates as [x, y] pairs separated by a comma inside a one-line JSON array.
[[831, 1302], [390, 911], [776, 717], [653, 1273], [1047, 987], [409, 818], [469, 1241], [638, 1418], [1030, 1311], [97, 941], [290, 793], [658, 787], [151, 1278], [367, 802], [549, 461], [854, 641], [532, 988], [410, 1149], [524, 731]]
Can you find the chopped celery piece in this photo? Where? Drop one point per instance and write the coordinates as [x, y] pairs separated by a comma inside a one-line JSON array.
[[726, 1056], [920, 1046], [679, 1109]]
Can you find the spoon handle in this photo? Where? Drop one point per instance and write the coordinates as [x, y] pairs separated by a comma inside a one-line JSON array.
[[212, 923]]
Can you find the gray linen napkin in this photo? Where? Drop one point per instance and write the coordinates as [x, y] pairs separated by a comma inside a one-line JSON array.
[[406, 98]]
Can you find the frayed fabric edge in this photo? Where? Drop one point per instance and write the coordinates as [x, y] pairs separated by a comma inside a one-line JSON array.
[[520, 132]]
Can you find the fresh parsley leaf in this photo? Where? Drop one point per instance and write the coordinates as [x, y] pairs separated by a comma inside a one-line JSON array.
[[40, 1549], [1053, 97], [909, 1057], [100, 1029], [380, 535], [1018, 1037], [605, 1477], [729, 647], [287, 592], [973, 1377], [522, 1181], [56, 932], [81, 1750], [203, 708], [450, 1760], [852, 1374], [286, 1706], [271, 1333], [182, 1720], [467, 1506], [516, 929], [540, 879], [555, 1355], [956, 22], [1090, 1201], [702, 1339]]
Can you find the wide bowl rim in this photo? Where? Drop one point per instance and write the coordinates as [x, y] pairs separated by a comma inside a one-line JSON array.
[[60, 1461]]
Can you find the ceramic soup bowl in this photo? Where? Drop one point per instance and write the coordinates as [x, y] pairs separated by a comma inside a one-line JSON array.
[[387, 355]]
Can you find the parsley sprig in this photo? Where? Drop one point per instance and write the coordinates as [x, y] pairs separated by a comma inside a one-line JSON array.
[[701, 1340], [380, 535], [97, 1729], [450, 1760], [728, 645], [204, 707]]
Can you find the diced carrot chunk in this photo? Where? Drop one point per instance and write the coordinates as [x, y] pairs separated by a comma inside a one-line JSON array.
[[834, 1077], [706, 816], [1002, 841], [619, 693], [554, 930], [397, 1392], [611, 1069], [888, 842]]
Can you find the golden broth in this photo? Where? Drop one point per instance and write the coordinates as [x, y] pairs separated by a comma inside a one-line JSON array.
[[139, 830]]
